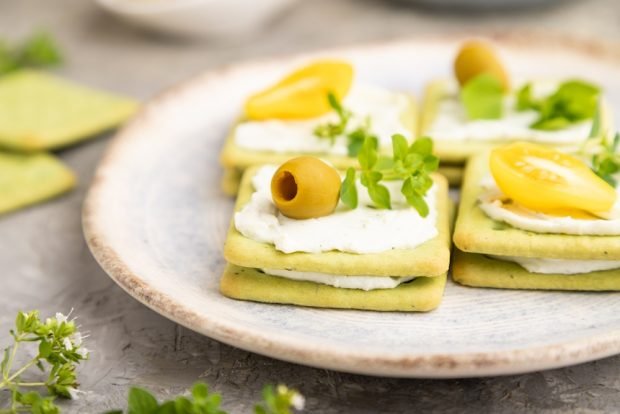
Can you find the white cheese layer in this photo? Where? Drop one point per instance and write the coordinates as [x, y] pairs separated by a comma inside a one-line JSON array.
[[385, 109], [560, 266], [495, 205], [451, 122], [361, 230], [341, 281]]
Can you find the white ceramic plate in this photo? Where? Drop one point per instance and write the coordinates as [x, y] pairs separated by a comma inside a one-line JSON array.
[[155, 219]]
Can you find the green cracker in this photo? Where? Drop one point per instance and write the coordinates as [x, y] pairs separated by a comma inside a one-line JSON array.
[[432, 258], [420, 295], [481, 271], [237, 158], [27, 179], [231, 180], [458, 151], [42, 112], [475, 232], [453, 173]]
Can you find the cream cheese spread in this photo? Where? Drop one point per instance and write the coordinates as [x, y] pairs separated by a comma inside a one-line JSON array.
[[385, 109], [560, 266], [362, 230], [451, 122], [341, 281]]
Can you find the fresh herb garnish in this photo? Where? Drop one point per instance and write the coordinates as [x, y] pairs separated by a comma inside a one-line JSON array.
[[410, 163], [483, 97], [278, 400], [59, 352], [574, 101], [37, 51], [331, 130], [602, 151]]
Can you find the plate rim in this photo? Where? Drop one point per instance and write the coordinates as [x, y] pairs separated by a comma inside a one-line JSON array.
[[438, 365]]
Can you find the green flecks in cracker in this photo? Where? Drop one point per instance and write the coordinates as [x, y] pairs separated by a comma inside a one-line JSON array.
[[40, 111], [500, 226], [27, 179]]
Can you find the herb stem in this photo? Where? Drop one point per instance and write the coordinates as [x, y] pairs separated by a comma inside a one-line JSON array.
[[17, 373], [31, 384]]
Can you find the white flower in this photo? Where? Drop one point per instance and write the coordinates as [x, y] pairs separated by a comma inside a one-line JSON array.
[[77, 339], [73, 393], [67, 344], [60, 318], [298, 401], [83, 352]]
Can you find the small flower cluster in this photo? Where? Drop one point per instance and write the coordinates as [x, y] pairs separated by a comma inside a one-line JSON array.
[[59, 352]]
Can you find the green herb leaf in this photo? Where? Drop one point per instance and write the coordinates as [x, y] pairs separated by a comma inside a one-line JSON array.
[[355, 142], [414, 195], [595, 130], [573, 102], [368, 154], [348, 189], [380, 195], [141, 401], [422, 146], [525, 100], [412, 164], [400, 147], [39, 50], [482, 97], [333, 130]]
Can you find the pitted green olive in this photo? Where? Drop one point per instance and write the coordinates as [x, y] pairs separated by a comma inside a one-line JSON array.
[[305, 187], [475, 58]]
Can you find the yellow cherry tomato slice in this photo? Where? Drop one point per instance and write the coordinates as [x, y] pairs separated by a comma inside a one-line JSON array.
[[549, 181], [476, 57], [303, 93], [305, 187]]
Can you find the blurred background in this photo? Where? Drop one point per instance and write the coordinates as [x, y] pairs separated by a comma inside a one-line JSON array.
[[104, 46], [140, 47]]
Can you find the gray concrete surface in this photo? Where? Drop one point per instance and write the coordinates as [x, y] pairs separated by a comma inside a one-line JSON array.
[[45, 264]]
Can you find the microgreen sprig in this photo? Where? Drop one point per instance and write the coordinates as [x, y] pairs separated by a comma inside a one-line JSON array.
[[602, 151], [572, 102], [331, 130], [410, 163], [59, 351]]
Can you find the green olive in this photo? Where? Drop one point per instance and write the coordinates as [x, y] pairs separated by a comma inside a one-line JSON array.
[[305, 187], [476, 57]]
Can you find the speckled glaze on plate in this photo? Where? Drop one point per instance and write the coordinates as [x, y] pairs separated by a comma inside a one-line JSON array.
[[155, 219]]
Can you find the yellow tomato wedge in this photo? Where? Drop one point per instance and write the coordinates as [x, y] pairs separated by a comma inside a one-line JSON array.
[[303, 93], [548, 181]]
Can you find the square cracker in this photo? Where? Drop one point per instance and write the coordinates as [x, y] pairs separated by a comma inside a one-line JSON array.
[[40, 111], [431, 258], [420, 295], [458, 151], [27, 179], [238, 158], [481, 271], [475, 232]]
